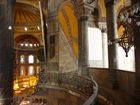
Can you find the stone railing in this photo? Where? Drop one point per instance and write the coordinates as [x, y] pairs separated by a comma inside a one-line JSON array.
[[77, 84], [29, 100], [93, 98], [71, 82]]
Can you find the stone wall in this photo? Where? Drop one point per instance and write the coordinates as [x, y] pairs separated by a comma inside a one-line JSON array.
[[67, 60], [124, 95]]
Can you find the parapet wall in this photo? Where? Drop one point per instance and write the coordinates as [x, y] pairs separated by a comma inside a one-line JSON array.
[[124, 82]]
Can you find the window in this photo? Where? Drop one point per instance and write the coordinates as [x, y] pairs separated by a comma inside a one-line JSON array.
[[31, 45], [22, 70], [26, 44], [31, 70], [22, 59], [126, 63], [95, 47], [31, 59]]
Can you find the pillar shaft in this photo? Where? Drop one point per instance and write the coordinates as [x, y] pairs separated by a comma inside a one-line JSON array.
[[53, 42], [83, 45], [137, 63], [6, 52], [104, 48], [112, 33], [136, 32]]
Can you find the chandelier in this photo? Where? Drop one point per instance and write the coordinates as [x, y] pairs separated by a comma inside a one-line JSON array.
[[127, 17]]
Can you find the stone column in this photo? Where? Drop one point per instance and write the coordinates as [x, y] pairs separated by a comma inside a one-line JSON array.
[[136, 32], [85, 10], [112, 33], [104, 48], [83, 45], [6, 52], [137, 64], [53, 33]]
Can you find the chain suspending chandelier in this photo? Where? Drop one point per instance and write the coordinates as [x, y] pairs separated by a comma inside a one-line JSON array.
[[127, 17]]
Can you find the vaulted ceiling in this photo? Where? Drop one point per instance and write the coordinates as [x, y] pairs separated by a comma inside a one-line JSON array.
[[27, 21]]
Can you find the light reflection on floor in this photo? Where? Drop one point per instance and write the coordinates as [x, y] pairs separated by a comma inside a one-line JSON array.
[[25, 86]]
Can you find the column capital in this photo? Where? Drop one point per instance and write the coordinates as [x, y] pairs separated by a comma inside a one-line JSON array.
[[103, 26], [85, 7], [85, 10], [109, 3]]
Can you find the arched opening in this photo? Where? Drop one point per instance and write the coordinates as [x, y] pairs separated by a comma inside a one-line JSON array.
[[27, 64]]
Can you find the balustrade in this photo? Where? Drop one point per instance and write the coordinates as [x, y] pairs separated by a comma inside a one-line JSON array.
[[77, 84]]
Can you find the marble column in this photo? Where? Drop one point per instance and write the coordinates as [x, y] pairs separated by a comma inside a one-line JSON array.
[[83, 45], [6, 52], [85, 9], [104, 48], [112, 33]]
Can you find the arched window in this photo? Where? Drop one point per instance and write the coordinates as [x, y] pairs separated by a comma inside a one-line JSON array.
[[31, 59], [22, 59]]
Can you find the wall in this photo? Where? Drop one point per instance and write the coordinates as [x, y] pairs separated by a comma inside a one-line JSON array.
[[125, 82], [67, 60]]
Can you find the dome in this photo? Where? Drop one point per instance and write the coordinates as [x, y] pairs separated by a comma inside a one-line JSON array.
[[26, 15]]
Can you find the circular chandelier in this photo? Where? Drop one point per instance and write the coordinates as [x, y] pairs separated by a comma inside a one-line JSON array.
[[127, 17]]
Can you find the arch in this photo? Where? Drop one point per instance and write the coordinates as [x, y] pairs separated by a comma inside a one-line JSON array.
[[26, 37], [101, 8], [70, 4], [69, 24]]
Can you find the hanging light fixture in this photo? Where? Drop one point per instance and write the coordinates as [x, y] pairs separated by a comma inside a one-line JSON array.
[[127, 17], [126, 41]]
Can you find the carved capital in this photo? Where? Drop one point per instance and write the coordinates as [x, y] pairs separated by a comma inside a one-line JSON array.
[[85, 11], [109, 3], [103, 27]]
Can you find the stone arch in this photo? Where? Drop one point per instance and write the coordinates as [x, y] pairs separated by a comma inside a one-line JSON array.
[[101, 8], [26, 36], [69, 24], [71, 4]]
